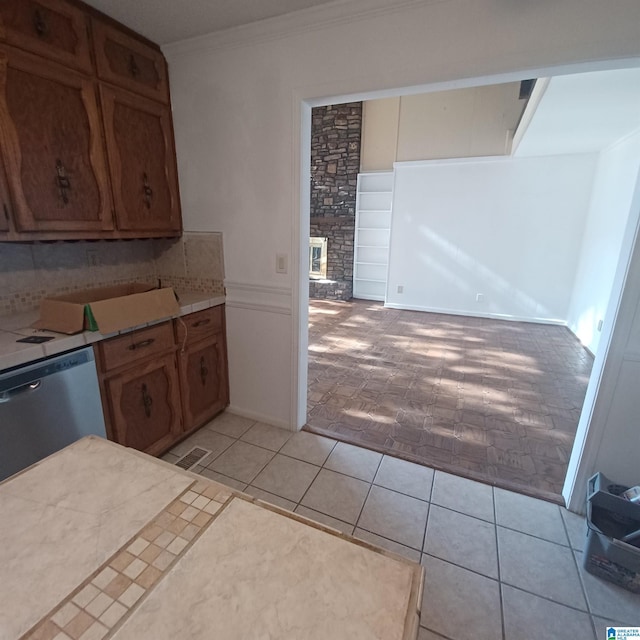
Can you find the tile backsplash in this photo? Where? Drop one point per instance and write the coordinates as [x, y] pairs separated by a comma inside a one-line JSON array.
[[29, 272]]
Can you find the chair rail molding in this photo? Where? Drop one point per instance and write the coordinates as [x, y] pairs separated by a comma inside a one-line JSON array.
[[257, 296]]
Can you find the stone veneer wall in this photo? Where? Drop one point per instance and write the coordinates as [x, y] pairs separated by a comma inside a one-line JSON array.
[[335, 163], [30, 272]]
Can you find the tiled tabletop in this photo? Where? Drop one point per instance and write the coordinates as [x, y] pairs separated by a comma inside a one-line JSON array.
[[124, 546]]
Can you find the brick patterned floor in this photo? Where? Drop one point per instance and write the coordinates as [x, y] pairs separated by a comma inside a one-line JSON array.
[[493, 400]]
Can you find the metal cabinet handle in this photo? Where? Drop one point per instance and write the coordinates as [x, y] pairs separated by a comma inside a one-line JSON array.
[[142, 343], [204, 372], [39, 24], [147, 190], [147, 401], [201, 323], [62, 180], [7, 396]]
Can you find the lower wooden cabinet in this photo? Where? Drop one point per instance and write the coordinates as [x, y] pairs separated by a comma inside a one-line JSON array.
[[156, 389], [144, 405], [203, 380]]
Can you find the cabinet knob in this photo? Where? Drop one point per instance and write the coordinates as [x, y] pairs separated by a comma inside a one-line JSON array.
[[147, 190], [147, 401], [204, 371], [39, 24], [134, 69], [62, 180]]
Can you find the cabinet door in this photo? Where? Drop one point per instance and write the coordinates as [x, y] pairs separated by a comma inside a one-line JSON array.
[[203, 379], [51, 28], [142, 162], [144, 406], [52, 146], [129, 62]]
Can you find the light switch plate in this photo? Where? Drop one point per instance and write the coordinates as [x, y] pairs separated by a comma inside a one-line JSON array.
[[281, 263]]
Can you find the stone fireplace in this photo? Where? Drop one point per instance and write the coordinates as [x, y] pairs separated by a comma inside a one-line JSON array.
[[335, 163]]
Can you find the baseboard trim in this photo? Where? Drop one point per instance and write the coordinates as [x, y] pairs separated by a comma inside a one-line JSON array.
[[492, 316], [259, 417]]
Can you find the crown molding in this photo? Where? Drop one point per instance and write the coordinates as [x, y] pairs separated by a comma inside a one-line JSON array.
[[295, 23]]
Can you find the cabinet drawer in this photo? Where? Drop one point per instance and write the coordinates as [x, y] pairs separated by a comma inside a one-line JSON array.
[[130, 63], [50, 28], [199, 325], [134, 346]]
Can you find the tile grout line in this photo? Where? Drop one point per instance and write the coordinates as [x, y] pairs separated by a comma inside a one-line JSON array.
[[500, 590], [426, 524], [590, 613], [355, 526], [299, 503]]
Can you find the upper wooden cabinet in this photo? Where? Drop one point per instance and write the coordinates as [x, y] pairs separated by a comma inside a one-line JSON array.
[[130, 63], [51, 28], [86, 135], [142, 161], [52, 145]]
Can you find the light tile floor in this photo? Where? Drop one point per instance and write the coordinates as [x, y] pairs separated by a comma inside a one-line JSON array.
[[498, 564]]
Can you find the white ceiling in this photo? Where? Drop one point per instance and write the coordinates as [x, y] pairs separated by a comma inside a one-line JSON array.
[[165, 21], [583, 113]]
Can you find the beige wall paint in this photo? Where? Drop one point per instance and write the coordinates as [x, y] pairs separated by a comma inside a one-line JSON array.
[[461, 123], [379, 144]]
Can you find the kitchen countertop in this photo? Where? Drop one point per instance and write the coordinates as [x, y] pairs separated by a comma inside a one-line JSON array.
[[13, 327], [104, 542]]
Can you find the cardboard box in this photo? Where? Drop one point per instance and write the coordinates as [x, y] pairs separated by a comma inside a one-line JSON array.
[[107, 309]]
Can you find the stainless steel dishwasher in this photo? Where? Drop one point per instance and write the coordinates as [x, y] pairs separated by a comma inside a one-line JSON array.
[[46, 405]]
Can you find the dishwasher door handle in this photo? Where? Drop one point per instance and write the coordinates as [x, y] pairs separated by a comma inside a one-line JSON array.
[[7, 396]]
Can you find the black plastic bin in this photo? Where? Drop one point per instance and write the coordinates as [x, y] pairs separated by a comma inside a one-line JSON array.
[[609, 519]]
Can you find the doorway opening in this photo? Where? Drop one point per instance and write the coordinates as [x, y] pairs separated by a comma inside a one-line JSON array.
[[493, 399]]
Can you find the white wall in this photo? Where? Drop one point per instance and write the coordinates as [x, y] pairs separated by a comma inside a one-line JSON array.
[[237, 112], [508, 229], [615, 180]]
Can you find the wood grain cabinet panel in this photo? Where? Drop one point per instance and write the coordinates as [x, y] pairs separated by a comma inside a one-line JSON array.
[[142, 161], [51, 28], [144, 406], [203, 380], [52, 146], [129, 62]]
